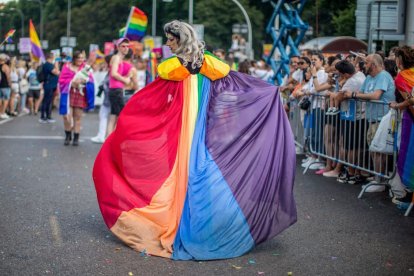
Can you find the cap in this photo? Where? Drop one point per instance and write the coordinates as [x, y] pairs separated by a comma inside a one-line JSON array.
[[120, 40]]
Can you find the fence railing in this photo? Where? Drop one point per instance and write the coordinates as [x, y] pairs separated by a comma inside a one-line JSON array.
[[348, 135]]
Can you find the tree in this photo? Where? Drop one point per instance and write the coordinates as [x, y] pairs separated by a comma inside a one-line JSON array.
[[218, 17]]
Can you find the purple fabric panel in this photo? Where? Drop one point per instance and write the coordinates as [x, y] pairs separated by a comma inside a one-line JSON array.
[[37, 51], [404, 169], [250, 139]]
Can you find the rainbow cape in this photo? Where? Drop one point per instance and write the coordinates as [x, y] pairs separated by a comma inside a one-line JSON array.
[[200, 166], [404, 82], [136, 25], [36, 52]]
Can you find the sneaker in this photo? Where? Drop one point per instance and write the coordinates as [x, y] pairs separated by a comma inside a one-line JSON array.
[[335, 111], [316, 166], [306, 159], [356, 179], [343, 177], [332, 173], [329, 112], [308, 162], [298, 150], [42, 121], [401, 200], [375, 189], [4, 116], [50, 120], [97, 140]]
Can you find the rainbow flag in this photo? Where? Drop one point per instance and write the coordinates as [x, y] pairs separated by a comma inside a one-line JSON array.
[[136, 24], [37, 52], [9, 35]]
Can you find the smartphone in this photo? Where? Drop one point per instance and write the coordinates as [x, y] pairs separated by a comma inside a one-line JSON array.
[[357, 54]]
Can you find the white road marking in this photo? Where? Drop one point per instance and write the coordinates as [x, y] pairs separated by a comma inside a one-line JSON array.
[[44, 153], [34, 137]]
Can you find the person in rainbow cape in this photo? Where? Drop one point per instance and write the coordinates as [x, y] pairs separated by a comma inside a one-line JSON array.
[[404, 82], [202, 162]]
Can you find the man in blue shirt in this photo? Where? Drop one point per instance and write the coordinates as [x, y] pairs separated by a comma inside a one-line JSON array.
[[51, 73], [378, 86]]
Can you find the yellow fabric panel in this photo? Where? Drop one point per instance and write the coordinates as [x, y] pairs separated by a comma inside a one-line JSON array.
[[213, 68], [172, 69]]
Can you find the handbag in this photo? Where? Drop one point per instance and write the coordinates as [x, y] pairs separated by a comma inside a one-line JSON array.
[[304, 103]]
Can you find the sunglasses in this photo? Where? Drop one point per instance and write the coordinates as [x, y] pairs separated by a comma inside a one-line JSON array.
[[301, 63], [124, 46]]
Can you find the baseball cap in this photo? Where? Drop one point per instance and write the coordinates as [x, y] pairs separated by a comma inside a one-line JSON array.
[[120, 40]]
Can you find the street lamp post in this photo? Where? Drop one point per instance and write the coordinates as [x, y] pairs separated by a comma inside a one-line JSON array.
[[190, 12], [19, 11], [68, 19], [249, 27], [41, 16], [154, 17]]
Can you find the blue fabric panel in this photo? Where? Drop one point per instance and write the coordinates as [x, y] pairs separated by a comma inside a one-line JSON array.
[[212, 224]]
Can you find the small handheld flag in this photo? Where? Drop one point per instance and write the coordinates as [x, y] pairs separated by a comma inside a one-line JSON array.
[[8, 36], [136, 25]]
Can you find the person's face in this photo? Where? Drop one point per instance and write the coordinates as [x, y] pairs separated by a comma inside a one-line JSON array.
[[123, 48], [332, 68], [307, 74], [220, 55], [79, 60], [172, 42], [398, 62], [302, 64], [316, 61], [369, 65], [294, 62]]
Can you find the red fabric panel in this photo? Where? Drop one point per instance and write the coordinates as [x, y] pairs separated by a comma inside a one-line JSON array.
[[139, 155]]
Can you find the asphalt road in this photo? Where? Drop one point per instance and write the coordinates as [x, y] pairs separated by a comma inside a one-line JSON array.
[[50, 221]]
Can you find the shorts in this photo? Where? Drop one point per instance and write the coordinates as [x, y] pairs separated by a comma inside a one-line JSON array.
[[15, 87], [34, 93], [128, 94], [5, 93], [116, 100], [372, 129], [354, 134]]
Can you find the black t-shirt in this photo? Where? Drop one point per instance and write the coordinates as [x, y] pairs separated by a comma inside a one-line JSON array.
[[51, 79]]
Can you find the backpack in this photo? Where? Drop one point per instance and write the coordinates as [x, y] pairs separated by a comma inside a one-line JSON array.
[[40, 74]]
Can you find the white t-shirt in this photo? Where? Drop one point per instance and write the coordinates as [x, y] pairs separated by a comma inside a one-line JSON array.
[[322, 76], [298, 75], [353, 84], [141, 78]]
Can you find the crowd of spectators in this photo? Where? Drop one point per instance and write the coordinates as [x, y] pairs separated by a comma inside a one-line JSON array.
[[342, 101]]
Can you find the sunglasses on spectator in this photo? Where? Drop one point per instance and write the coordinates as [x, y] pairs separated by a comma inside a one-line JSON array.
[[301, 63], [124, 46]]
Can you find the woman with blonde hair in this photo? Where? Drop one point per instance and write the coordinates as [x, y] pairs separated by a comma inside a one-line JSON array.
[[202, 161], [14, 96]]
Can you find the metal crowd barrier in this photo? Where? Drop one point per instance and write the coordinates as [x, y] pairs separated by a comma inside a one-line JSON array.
[[342, 137], [296, 118]]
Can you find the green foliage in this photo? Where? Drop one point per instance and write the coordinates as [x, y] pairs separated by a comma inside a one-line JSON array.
[[344, 21], [98, 21]]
